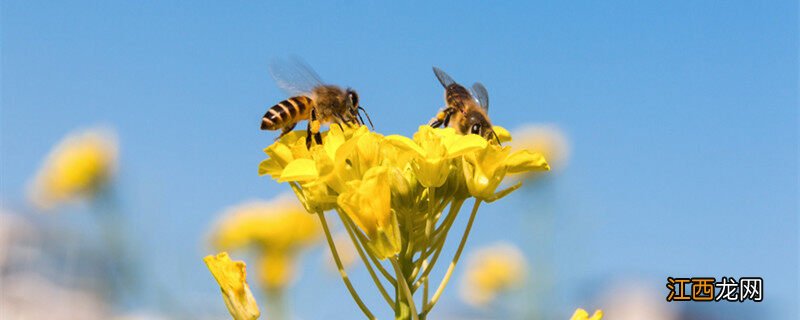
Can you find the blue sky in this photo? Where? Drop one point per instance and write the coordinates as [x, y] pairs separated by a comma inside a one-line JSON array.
[[682, 119]]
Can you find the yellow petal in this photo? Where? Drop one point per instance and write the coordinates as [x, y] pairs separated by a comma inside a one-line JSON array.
[[581, 314], [465, 144], [368, 204], [333, 140], [524, 160], [502, 134], [232, 279], [299, 170], [431, 173], [404, 143], [279, 152]]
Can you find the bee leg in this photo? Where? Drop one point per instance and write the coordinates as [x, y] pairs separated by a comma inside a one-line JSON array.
[[443, 117], [308, 136], [339, 121], [286, 130], [368, 119], [313, 129], [446, 121], [318, 138]]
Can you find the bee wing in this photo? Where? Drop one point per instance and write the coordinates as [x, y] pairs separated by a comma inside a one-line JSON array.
[[480, 93], [294, 76], [443, 77]]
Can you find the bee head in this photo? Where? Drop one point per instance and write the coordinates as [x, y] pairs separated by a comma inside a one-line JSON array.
[[480, 125], [351, 100]]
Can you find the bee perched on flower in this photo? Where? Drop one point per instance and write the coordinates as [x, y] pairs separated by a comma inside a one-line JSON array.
[[397, 198], [80, 166]]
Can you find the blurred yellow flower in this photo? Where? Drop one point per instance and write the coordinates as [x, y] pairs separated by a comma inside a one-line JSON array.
[[78, 167], [232, 279], [277, 230], [581, 314], [492, 270], [547, 139]]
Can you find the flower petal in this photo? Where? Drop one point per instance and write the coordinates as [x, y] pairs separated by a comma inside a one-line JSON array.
[[581, 314], [502, 134], [465, 144], [524, 160], [299, 170], [232, 279], [404, 143]]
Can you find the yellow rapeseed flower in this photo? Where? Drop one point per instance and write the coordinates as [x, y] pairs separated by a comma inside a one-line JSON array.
[[276, 230], [485, 169], [581, 314], [433, 149], [368, 204], [491, 271], [392, 193], [78, 167], [232, 279]]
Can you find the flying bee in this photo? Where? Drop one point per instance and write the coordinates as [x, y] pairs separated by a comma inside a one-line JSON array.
[[310, 100], [465, 111]]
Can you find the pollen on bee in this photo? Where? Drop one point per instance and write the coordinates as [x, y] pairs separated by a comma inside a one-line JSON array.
[[315, 126], [440, 115]]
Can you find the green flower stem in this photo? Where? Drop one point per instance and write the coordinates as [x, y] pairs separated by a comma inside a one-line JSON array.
[[453, 263], [299, 193], [366, 261], [437, 248], [277, 304], [429, 221], [425, 283], [440, 234], [404, 289], [363, 240], [338, 261]]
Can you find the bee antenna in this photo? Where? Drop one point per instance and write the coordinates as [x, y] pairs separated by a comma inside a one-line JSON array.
[[366, 114], [497, 138]]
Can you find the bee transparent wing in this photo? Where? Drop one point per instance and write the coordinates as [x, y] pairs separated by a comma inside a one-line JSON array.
[[480, 93], [294, 76], [443, 77]]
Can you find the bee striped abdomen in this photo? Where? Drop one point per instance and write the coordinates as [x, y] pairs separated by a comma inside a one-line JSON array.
[[286, 113], [456, 95]]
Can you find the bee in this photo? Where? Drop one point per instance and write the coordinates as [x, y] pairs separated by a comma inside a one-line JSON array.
[[465, 111], [310, 100]]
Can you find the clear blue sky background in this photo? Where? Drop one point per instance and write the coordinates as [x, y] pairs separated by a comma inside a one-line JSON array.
[[683, 121]]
